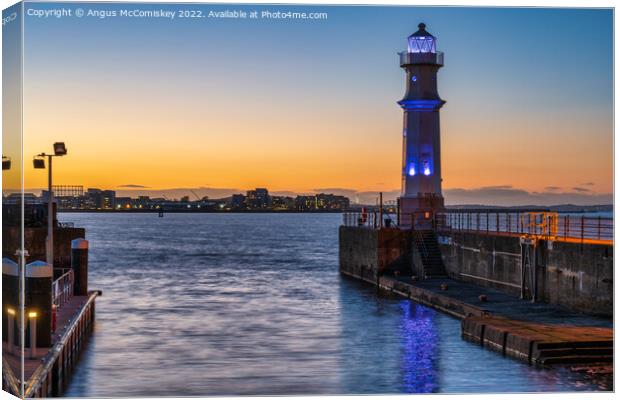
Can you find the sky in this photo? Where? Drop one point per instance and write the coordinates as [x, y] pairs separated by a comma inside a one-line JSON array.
[[310, 105]]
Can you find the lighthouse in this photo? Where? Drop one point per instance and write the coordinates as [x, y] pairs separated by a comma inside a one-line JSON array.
[[421, 167]]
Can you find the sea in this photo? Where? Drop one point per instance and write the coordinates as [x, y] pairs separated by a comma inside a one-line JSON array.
[[253, 304]]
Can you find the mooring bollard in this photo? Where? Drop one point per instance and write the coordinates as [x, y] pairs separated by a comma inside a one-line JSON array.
[[79, 265]]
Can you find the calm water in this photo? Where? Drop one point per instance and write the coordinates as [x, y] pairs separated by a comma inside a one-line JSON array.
[[215, 304]]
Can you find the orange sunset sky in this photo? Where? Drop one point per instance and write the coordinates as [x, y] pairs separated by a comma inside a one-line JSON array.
[[180, 107]]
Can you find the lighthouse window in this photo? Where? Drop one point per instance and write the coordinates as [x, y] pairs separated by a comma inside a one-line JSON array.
[[411, 171], [426, 168], [421, 44], [414, 78]]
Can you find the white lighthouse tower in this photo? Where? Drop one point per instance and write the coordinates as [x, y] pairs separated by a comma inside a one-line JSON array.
[[421, 167]]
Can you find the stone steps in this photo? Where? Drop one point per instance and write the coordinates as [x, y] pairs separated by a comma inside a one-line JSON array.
[[428, 248]]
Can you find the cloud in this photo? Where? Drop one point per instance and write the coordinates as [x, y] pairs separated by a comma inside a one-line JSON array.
[[587, 184], [580, 189], [339, 191], [552, 188], [176, 193], [506, 195], [132, 186]]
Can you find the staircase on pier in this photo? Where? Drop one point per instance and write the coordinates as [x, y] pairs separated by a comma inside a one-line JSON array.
[[425, 241]]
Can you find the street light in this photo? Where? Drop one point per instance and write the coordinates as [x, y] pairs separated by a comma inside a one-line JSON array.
[[39, 163], [60, 149], [6, 163]]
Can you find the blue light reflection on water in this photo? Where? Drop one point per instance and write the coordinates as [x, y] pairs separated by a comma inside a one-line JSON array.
[[227, 304], [420, 348]]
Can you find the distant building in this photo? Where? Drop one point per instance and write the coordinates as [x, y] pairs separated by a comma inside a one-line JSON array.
[[258, 199], [142, 202], [237, 201], [282, 203], [100, 199], [322, 202], [123, 203]]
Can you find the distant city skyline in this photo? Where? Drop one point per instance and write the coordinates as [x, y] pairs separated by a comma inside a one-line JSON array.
[[155, 105], [493, 195]]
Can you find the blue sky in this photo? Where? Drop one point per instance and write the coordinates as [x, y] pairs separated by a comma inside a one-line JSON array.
[[529, 92]]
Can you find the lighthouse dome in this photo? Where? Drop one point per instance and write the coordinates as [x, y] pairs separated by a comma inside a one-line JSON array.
[[421, 41]]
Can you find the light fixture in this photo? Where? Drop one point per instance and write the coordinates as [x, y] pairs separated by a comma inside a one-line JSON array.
[[10, 311], [411, 170], [60, 149], [38, 163], [32, 314], [427, 168], [6, 163]]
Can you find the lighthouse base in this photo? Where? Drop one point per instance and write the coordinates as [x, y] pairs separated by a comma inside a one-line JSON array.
[[419, 211]]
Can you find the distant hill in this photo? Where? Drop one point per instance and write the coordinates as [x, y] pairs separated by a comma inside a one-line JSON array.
[[564, 208]]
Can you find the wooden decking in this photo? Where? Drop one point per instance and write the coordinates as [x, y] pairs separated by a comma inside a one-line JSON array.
[[38, 370], [64, 316]]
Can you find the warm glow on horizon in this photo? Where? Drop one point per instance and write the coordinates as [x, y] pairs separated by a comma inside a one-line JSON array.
[[326, 118]]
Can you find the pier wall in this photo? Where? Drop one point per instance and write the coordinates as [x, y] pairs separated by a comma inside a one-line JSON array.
[[574, 275], [35, 243], [486, 260], [366, 253]]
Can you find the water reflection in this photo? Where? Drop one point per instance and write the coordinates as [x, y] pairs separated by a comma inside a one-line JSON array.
[[420, 350], [254, 304]]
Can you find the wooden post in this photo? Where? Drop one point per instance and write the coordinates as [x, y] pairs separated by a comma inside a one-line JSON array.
[[79, 265]]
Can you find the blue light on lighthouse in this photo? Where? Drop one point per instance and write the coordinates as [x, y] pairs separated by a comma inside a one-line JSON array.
[[411, 171], [426, 168]]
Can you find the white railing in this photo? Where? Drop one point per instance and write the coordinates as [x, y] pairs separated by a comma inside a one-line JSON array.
[[62, 289]]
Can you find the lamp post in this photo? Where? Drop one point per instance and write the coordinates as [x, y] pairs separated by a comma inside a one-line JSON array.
[[39, 163], [6, 163]]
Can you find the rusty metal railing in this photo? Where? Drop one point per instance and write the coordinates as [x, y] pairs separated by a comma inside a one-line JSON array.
[[542, 224], [370, 219]]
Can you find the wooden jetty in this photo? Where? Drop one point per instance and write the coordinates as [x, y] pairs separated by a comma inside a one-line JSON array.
[[47, 375]]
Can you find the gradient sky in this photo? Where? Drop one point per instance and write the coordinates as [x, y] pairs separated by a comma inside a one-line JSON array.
[[300, 105]]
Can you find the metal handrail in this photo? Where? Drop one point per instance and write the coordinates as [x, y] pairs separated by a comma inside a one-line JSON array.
[[62, 288], [539, 222], [10, 378], [370, 219], [549, 225]]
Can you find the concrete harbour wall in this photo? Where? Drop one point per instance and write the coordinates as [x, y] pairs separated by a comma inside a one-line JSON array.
[[367, 253], [574, 275]]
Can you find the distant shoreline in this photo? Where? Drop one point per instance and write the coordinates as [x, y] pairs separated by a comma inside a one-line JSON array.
[[195, 211]]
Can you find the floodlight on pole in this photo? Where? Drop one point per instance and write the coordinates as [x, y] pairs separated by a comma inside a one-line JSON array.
[[6, 163], [60, 149], [39, 163]]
